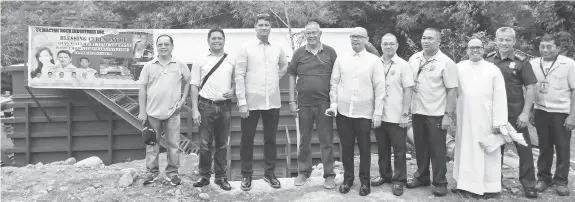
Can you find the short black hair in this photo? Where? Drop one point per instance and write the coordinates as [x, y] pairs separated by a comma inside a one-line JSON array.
[[216, 30], [171, 39], [64, 51], [84, 58], [551, 37], [437, 31], [263, 16]]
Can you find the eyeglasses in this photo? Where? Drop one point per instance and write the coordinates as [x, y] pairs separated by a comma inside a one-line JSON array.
[[388, 44], [357, 36], [548, 47], [312, 33], [475, 48]]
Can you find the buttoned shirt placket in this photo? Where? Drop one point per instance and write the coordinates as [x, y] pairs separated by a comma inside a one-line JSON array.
[[356, 57], [266, 72]]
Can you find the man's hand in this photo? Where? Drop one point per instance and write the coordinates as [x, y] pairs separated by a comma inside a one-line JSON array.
[[244, 112], [332, 111], [293, 108], [496, 130], [180, 103], [446, 122], [229, 94], [523, 120], [196, 116], [142, 116], [570, 123], [376, 121], [404, 121]]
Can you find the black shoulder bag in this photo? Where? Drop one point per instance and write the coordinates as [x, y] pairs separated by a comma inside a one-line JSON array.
[[213, 69]]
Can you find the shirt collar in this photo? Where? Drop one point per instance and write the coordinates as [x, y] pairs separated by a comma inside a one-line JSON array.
[[156, 60], [434, 57], [360, 54], [309, 50], [212, 54], [511, 55], [258, 41], [394, 59]]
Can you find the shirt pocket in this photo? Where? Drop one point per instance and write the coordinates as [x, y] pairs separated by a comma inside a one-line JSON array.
[[558, 79]]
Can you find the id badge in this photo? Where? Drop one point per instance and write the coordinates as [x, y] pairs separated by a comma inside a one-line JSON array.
[[544, 87]]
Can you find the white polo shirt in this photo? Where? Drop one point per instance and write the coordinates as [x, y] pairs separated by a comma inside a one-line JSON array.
[[560, 79], [222, 79], [398, 76], [430, 90]]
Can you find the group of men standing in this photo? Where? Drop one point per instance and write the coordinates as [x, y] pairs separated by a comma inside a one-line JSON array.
[[362, 91]]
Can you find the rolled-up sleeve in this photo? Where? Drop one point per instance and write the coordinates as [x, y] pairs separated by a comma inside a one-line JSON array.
[[571, 76], [283, 63], [240, 76], [450, 75], [378, 82], [143, 79], [186, 76], [334, 83], [292, 67], [196, 75], [407, 76]]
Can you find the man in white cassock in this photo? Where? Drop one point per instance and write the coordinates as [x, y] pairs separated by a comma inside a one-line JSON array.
[[481, 109]]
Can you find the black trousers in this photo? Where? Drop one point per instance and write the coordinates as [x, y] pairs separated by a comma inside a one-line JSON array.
[[430, 145], [526, 164], [392, 135], [270, 120], [350, 130], [552, 133]]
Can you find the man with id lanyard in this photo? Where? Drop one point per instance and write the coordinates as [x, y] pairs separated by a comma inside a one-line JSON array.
[[554, 110], [517, 72], [432, 107]]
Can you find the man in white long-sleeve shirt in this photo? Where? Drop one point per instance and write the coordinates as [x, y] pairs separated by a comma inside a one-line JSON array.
[[356, 95], [259, 66]]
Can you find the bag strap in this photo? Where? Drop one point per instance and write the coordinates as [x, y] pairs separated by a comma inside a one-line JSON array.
[[213, 69]]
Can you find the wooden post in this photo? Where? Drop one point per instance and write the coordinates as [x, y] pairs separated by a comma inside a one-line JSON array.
[[69, 124], [110, 138], [27, 112]]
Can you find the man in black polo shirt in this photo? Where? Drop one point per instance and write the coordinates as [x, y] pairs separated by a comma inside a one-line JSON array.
[[312, 65], [517, 73]]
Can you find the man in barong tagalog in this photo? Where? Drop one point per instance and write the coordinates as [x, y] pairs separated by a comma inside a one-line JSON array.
[[481, 110]]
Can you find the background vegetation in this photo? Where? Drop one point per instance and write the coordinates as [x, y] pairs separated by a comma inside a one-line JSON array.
[[458, 20]]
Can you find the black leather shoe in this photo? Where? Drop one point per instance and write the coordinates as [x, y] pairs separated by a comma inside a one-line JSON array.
[[530, 192], [440, 190], [223, 184], [203, 182], [397, 189], [364, 190], [272, 180], [414, 183], [246, 183], [541, 186], [345, 186], [380, 181]]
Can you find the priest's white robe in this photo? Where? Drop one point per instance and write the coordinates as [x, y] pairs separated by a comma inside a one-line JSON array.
[[481, 104]]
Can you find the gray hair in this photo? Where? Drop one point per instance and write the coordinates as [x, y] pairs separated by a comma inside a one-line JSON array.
[[505, 29], [313, 23]]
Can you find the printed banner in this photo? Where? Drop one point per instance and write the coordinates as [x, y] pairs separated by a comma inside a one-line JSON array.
[[83, 58]]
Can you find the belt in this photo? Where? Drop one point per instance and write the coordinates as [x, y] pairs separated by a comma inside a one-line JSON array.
[[221, 102]]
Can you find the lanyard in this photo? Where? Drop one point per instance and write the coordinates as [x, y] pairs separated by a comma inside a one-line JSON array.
[[421, 67], [389, 68], [541, 66]]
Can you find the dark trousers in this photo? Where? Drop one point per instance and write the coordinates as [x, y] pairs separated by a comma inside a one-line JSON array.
[[324, 124], [270, 120], [430, 145], [392, 135], [552, 133], [350, 130], [215, 127], [526, 165]]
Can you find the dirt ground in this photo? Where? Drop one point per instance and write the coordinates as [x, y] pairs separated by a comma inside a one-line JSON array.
[[68, 183]]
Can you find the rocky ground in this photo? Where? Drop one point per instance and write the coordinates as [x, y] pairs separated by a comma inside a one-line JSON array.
[[90, 180]]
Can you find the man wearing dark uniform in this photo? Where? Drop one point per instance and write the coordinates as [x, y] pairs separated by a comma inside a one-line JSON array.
[[517, 72]]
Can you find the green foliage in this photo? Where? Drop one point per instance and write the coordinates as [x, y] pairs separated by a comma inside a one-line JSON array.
[[407, 20]]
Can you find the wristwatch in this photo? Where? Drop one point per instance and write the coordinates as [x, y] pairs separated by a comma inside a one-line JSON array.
[[449, 114], [405, 114]]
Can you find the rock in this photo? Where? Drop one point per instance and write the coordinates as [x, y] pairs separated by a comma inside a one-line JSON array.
[[39, 165], [170, 192], [130, 171], [316, 173], [56, 163], [515, 190], [204, 196], [64, 188], [90, 189], [188, 164], [199, 189], [70, 161], [50, 188], [97, 185], [30, 166], [91, 162], [126, 180], [178, 193], [320, 166], [408, 156], [8, 172]]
